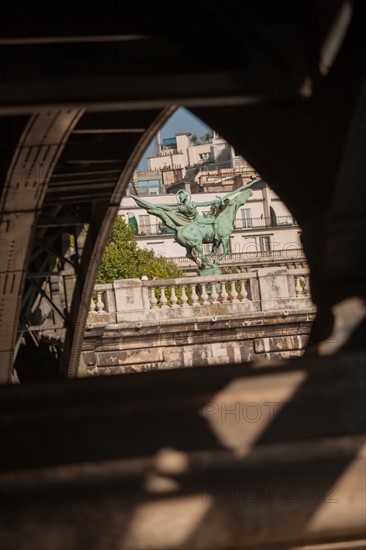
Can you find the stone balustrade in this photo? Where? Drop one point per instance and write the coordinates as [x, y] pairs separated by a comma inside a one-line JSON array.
[[290, 256], [264, 289]]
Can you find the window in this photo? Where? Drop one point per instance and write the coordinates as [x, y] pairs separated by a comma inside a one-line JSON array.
[[204, 156], [265, 244], [273, 217], [246, 216], [144, 225], [169, 143]]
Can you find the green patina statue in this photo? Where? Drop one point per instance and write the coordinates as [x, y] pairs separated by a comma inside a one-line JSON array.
[[193, 229]]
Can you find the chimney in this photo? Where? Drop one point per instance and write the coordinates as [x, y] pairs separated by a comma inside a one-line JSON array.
[[157, 143]]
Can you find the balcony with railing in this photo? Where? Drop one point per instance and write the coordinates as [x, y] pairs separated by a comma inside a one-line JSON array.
[[262, 222], [240, 225], [283, 256]]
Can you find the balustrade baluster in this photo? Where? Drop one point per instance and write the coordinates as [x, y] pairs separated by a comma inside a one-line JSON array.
[[234, 293], [214, 294], [184, 298], [298, 287], [163, 299], [195, 300], [173, 298], [224, 294], [92, 305], [204, 295], [153, 299], [100, 303], [243, 295]]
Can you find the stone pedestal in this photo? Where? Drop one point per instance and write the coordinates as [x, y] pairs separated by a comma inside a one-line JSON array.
[[210, 271], [131, 298]]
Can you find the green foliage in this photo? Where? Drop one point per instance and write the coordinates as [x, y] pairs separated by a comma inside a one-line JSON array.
[[230, 270], [194, 139], [206, 138], [122, 259]]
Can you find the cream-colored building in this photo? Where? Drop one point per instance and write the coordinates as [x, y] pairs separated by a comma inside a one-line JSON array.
[[180, 152], [264, 227]]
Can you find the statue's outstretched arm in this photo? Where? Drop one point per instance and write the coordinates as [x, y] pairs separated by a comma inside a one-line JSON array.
[[207, 203]]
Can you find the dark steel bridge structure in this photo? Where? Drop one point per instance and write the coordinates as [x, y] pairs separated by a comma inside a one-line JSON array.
[[80, 100]]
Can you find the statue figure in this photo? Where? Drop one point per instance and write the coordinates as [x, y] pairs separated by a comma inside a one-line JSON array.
[[193, 229], [188, 212]]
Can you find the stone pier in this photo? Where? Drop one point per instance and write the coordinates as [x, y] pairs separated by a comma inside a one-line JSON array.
[[136, 326]]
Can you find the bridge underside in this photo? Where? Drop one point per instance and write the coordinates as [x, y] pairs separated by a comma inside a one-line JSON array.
[[63, 188], [79, 106], [80, 100]]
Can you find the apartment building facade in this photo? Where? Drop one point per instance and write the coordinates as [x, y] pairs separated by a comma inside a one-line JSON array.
[[264, 227]]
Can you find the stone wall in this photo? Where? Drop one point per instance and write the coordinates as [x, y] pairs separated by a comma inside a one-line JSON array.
[[137, 347], [137, 326]]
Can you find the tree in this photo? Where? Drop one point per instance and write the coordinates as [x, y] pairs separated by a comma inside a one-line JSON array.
[[122, 259], [206, 138], [194, 139]]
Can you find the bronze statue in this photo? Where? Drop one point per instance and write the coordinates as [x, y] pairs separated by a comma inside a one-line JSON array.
[[193, 229]]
